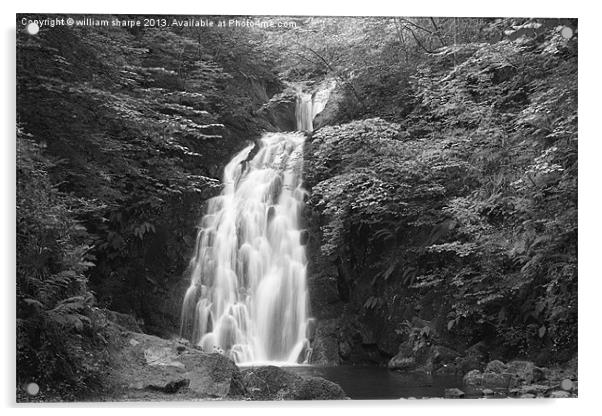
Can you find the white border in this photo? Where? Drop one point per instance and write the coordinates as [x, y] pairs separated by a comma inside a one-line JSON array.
[[589, 174]]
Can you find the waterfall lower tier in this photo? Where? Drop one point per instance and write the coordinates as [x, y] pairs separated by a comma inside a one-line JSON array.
[[248, 295]]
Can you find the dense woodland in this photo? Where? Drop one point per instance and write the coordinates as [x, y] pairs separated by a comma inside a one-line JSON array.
[[442, 177]]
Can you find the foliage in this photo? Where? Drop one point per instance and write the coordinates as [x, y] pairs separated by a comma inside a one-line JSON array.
[[372, 58], [142, 122], [59, 332], [468, 207], [123, 134]]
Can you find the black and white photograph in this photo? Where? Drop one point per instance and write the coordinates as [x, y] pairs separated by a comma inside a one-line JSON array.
[[295, 207]]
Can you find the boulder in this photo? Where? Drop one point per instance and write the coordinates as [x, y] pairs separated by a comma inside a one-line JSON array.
[[167, 382], [525, 372], [410, 359], [212, 375], [317, 388], [498, 375], [158, 355], [477, 380], [402, 362], [274, 383], [518, 378], [145, 365], [268, 383], [473, 378], [332, 109], [567, 384], [453, 393], [496, 381], [559, 394], [496, 366], [146, 362], [435, 359]]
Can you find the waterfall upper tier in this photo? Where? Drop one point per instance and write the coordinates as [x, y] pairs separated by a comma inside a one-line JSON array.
[[310, 104]]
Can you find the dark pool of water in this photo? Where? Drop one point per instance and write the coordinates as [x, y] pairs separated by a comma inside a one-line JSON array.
[[380, 383]]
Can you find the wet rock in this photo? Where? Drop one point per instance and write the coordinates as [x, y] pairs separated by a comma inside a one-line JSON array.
[[495, 380], [559, 394], [558, 375], [527, 396], [406, 358], [476, 380], [498, 375], [168, 382], [157, 355], [473, 378], [325, 346], [525, 372], [211, 375], [535, 389], [164, 319], [487, 392], [304, 237], [402, 363], [424, 359], [344, 350], [268, 383], [279, 111], [496, 366], [274, 383], [446, 370], [566, 384], [317, 388], [155, 364], [331, 111], [453, 393]]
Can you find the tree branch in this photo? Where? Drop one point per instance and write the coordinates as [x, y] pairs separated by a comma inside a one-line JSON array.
[[335, 72], [418, 40]]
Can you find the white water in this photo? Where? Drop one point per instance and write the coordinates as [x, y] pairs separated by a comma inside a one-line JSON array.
[[248, 296], [310, 105], [304, 112]]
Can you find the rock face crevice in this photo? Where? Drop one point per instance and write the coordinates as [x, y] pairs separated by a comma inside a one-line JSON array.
[[279, 111]]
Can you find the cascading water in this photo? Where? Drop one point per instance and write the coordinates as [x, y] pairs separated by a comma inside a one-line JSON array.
[[304, 112], [310, 105], [248, 296]]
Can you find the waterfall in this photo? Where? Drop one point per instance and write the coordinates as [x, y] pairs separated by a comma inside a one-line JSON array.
[[310, 105], [248, 296], [304, 112]]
